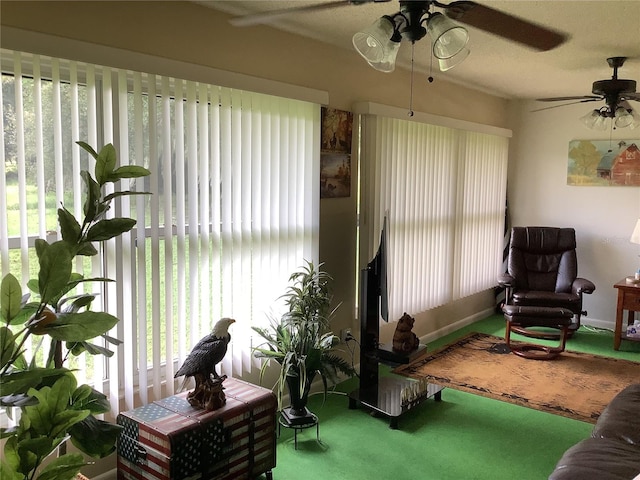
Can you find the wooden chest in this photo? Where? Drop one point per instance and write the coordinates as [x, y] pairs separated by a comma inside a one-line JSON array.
[[170, 439]]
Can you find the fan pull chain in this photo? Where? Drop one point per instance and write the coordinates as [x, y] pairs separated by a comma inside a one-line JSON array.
[[430, 77], [610, 136], [410, 112]]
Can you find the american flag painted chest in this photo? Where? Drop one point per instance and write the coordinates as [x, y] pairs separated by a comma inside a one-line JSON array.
[[170, 439]]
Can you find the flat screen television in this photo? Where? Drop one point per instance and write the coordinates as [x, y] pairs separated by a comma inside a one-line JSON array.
[[374, 304]]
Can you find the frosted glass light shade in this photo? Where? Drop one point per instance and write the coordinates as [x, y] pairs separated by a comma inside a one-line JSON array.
[[376, 46], [388, 62], [449, 63], [623, 117], [448, 38], [590, 118], [600, 123], [635, 236], [635, 120]]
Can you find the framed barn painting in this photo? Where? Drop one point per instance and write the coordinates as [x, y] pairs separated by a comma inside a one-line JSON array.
[[604, 163], [335, 153]]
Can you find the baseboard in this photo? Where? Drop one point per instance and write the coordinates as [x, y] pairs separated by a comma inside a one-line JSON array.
[[591, 322], [441, 332], [446, 330], [597, 323]]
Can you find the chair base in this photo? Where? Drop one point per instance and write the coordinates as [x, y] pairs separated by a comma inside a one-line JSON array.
[[522, 318], [543, 335], [534, 351]]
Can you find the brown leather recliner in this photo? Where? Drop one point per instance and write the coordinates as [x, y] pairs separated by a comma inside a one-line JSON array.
[[542, 271]]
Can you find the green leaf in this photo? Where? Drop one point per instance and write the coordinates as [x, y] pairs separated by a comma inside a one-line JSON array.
[[7, 432], [74, 280], [39, 446], [93, 196], [81, 394], [18, 400], [32, 285], [55, 270], [128, 171], [25, 314], [76, 303], [20, 362], [40, 245], [265, 353], [88, 148], [106, 229], [63, 421], [101, 210], [123, 194], [112, 340], [69, 226], [8, 346], [10, 298], [7, 472], [61, 393], [86, 249], [78, 327], [95, 437], [78, 348], [13, 461], [105, 163], [78, 278], [87, 398], [22, 381], [65, 467], [52, 416]]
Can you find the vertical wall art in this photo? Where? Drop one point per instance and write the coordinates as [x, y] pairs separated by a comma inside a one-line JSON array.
[[604, 162], [335, 153]]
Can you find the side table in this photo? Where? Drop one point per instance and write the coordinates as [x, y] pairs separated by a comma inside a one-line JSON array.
[[628, 299]]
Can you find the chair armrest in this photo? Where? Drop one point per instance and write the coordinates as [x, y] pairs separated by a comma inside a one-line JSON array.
[[582, 285], [505, 280]]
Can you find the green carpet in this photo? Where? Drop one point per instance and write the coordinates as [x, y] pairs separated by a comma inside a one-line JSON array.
[[464, 437]]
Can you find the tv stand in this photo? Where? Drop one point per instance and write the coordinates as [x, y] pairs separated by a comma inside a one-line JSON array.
[[385, 397], [386, 354], [388, 395]]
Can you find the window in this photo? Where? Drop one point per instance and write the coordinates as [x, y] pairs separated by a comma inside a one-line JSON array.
[[233, 208], [443, 190]]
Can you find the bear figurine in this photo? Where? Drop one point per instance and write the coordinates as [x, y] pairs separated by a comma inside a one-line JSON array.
[[404, 340]]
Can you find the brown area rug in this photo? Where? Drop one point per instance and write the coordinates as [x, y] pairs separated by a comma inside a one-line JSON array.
[[575, 385]]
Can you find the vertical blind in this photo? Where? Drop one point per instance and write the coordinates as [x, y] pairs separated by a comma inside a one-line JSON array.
[[443, 191], [233, 208]]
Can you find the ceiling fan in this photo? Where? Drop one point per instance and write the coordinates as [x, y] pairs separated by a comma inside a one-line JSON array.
[[379, 43], [616, 92]]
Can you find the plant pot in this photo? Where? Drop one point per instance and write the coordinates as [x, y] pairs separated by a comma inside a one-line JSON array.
[[298, 413]]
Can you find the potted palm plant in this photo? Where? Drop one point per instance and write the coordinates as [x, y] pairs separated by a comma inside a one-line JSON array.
[[301, 342], [53, 408]]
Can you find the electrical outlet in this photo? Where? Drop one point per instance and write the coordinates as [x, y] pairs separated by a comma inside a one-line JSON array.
[[345, 334]]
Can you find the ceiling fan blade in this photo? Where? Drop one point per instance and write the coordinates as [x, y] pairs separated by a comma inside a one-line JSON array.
[[565, 104], [579, 97], [266, 17], [632, 96], [505, 25]]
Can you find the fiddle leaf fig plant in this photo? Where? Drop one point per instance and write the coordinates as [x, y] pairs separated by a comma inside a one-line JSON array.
[[53, 408]]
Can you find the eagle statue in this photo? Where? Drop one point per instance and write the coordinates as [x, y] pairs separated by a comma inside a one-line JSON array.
[[201, 364]]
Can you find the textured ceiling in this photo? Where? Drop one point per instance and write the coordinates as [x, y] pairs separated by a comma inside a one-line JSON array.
[[597, 30]]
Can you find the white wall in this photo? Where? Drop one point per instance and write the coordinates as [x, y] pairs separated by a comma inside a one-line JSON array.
[[603, 217]]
